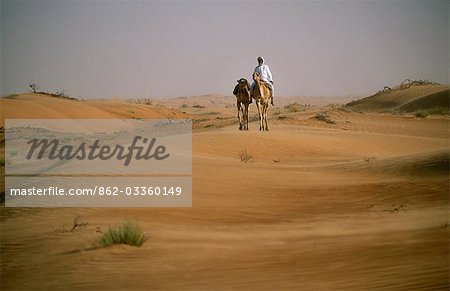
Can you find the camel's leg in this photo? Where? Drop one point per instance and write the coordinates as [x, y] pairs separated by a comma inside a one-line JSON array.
[[265, 116], [263, 121], [261, 116], [246, 116], [243, 115], [238, 104]]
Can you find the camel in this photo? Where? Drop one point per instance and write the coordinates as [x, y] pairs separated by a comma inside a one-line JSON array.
[[261, 94], [243, 100]]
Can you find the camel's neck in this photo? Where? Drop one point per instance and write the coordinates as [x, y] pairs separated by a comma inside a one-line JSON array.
[[258, 82]]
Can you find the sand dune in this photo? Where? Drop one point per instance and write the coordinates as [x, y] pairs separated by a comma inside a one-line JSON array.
[[42, 106], [429, 163], [361, 203], [409, 100]]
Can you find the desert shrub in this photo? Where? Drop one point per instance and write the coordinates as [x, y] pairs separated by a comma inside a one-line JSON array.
[[324, 117], [438, 110], [184, 105], [421, 113], [294, 107], [245, 156], [198, 106], [344, 108], [127, 233], [145, 101]]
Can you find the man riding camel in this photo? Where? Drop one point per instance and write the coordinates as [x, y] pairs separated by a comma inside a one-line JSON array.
[[266, 77]]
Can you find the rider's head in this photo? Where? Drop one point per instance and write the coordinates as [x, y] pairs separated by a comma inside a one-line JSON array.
[[260, 60]]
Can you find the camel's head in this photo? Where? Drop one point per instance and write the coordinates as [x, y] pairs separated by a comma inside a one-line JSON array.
[[243, 83], [256, 77]]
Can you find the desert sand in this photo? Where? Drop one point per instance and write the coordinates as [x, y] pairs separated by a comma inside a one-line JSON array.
[[361, 202]]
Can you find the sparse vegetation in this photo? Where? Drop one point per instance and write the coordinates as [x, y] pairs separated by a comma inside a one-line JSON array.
[[34, 87], [60, 94], [324, 117], [128, 233], [396, 208], [438, 110], [245, 156], [198, 106], [421, 113], [403, 85], [294, 107], [145, 101], [368, 159], [2, 161], [408, 83], [77, 222], [344, 108]]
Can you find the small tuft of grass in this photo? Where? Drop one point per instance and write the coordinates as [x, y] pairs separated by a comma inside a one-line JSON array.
[[324, 117], [78, 222], [245, 156], [421, 113], [128, 233]]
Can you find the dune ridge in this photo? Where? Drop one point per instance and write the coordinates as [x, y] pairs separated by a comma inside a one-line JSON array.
[[408, 99], [43, 106]]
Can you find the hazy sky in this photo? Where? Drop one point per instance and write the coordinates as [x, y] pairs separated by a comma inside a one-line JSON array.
[[101, 49]]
